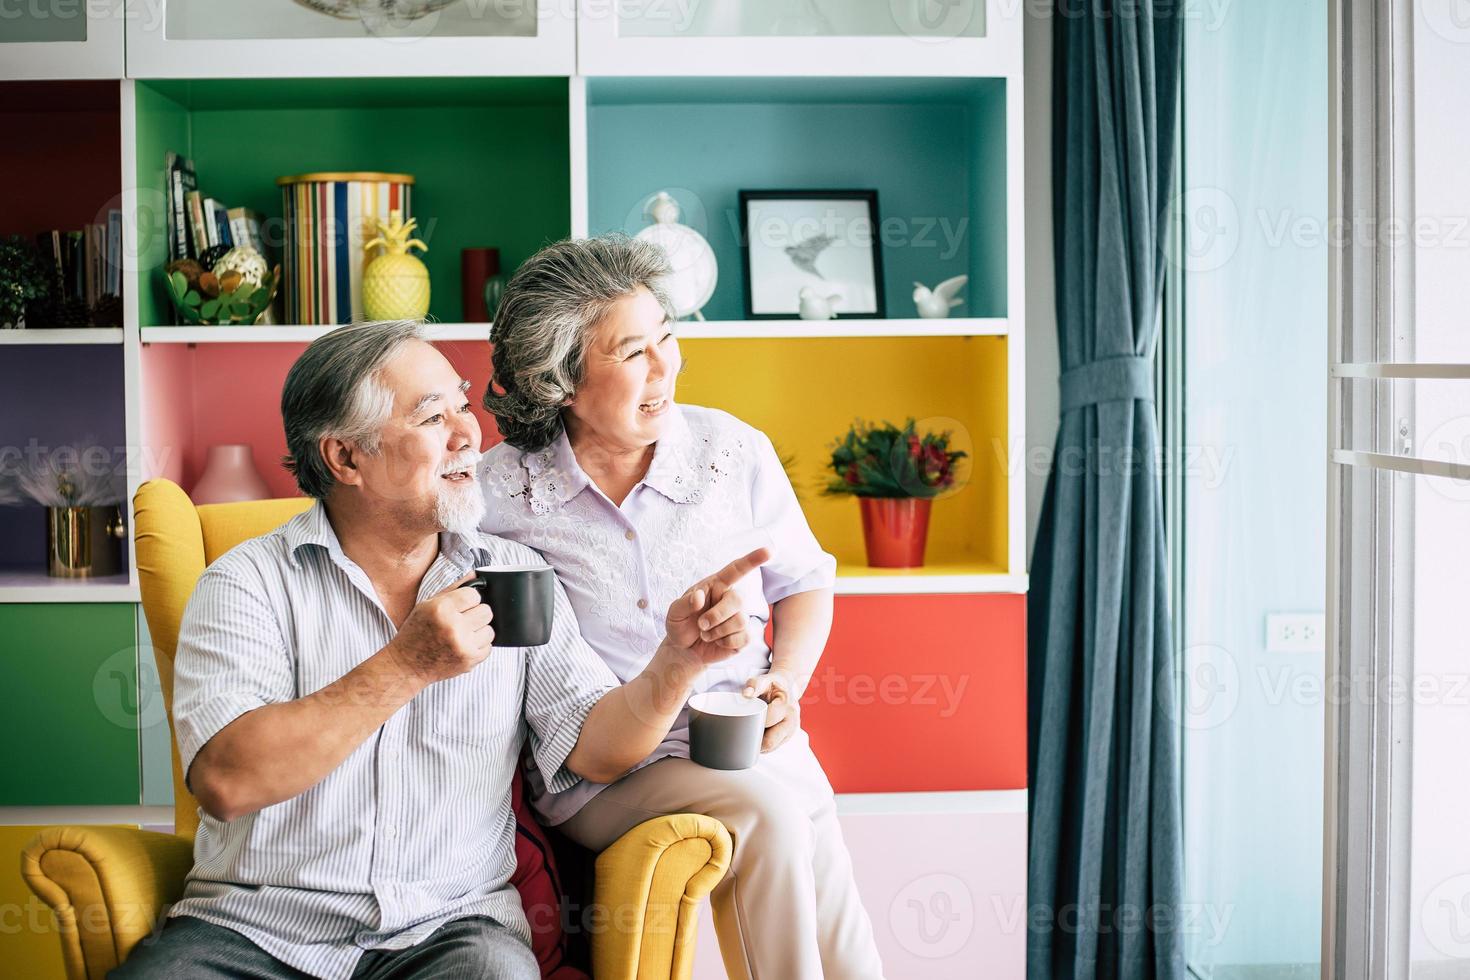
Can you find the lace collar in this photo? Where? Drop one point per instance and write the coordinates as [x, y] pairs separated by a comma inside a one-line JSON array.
[[685, 464]]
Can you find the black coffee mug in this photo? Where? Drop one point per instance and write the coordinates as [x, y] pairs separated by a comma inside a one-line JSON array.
[[520, 598]]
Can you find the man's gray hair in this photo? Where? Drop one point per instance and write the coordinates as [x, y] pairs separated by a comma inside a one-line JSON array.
[[335, 390], [549, 311]]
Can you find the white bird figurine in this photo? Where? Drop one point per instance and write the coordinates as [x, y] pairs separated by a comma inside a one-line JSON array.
[[935, 304], [815, 306]]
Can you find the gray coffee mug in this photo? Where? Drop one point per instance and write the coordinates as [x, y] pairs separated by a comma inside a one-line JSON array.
[[725, 729]]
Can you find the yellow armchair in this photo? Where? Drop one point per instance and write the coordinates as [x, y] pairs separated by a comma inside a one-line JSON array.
[[108, 885]]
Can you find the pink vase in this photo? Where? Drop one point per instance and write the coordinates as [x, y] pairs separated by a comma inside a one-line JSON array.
[[229, 475]]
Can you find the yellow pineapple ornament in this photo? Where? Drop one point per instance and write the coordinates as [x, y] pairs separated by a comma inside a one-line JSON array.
[[395, 285]]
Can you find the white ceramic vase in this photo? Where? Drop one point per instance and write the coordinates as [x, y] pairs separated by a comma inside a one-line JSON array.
[[229, 476]]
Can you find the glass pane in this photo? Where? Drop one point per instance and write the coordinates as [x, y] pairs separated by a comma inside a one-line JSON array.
[[1254, 527], [930, 19], [1439, 911], [1441, 227], [395, 19], [59, 20], [1426, 418]]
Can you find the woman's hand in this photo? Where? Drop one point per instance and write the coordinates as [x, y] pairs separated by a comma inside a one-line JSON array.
[[709, 620], [783, 710]]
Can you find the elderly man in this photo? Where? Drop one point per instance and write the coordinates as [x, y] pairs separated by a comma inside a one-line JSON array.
[[341, 716]]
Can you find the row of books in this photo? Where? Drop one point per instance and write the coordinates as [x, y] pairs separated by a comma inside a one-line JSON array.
[[197, 223], [85, 265]]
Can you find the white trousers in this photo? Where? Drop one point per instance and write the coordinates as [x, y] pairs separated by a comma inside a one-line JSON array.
[[788, 909]]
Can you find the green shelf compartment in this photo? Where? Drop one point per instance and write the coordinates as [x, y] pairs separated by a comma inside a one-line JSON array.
[[73, 717], [490, 158]]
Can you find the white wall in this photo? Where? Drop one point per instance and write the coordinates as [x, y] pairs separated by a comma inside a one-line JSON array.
[[1440, 864]]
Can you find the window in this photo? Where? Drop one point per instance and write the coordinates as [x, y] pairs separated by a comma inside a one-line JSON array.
[[1245, 421]]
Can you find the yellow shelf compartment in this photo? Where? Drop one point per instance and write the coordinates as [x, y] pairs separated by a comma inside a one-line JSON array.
[[804, 393]]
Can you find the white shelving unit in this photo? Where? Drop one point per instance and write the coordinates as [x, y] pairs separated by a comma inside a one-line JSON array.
[[967, 37], [687, 330], [957, 327], [89, 335], [588, 44], [37, 586], [924, 582], [99, 55], [292, 334], [158, 46]]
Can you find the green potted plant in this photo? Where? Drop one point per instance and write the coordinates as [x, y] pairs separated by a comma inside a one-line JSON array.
[[23, 280], [895, 473]]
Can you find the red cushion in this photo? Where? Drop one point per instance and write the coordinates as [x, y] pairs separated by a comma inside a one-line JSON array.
[[541, 892]]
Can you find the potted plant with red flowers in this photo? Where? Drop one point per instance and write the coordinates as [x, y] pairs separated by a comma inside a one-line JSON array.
[[895, 473]]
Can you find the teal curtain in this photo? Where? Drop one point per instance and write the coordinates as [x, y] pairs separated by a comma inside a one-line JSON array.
[[1105, 873]]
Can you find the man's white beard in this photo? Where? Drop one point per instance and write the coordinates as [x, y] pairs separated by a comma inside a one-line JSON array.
[[460, 507]]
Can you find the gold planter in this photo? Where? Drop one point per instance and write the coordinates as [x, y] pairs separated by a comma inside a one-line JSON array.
[[82, 542]]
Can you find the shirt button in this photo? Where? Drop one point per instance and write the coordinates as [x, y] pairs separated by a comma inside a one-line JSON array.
[[390, 832], [629, 535], [642, 603]]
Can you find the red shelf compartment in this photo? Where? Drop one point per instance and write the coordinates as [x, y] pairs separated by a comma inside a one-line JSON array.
[[922, 693]]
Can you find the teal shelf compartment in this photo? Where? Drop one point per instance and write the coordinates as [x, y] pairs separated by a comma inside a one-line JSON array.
[[490, 158], [934, 149]]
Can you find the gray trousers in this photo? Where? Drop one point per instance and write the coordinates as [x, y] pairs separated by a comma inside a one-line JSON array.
[[475, 948]]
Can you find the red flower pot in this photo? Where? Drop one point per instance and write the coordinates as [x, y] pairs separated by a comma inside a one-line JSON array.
[[895, 530]]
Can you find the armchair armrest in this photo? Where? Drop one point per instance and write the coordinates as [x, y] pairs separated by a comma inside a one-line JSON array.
[[107, 886], [648, 886]]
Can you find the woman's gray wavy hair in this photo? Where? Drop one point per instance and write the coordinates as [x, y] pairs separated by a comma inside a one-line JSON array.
[[549, 311]]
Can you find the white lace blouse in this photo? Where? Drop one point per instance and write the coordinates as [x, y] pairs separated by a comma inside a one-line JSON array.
[[714, 491]]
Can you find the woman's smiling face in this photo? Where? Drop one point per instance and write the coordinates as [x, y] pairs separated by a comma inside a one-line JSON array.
[[627, 389]]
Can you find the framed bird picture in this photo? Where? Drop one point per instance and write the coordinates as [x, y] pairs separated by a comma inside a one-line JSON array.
[[813, 254]]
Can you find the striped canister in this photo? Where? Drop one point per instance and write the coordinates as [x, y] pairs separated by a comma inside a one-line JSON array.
[[329, 216]]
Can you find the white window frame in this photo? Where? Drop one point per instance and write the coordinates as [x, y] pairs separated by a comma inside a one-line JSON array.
[[1369, 741]]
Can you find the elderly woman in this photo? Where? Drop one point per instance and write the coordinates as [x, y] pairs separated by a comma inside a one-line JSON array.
[[628, 494]]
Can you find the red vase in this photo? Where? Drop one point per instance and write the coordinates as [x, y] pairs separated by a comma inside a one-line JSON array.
[[895, 530]]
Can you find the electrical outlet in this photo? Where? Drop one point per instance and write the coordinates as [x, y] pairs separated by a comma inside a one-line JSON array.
[[1296, 632]]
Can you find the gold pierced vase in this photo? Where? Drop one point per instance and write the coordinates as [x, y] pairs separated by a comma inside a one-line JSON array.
[[82, 542]]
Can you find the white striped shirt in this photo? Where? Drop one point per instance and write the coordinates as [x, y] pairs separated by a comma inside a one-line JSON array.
[[414, 828]]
